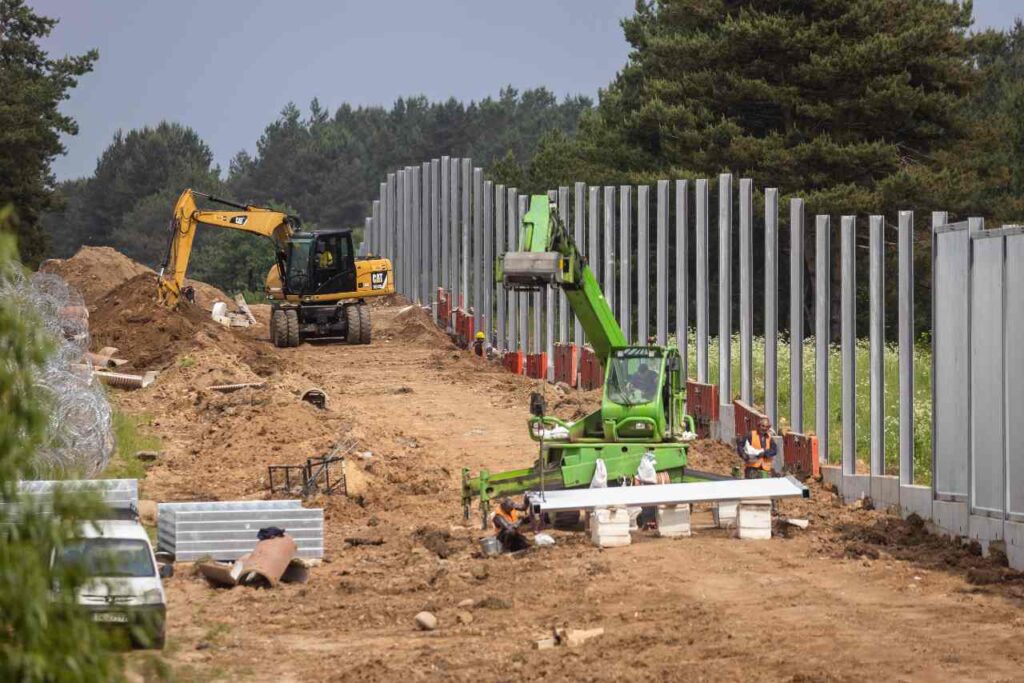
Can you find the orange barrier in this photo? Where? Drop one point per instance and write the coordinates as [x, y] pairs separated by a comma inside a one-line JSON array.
[[591, 372], [537, 365], [567, 363], [444, 307], [514, 362], [801, 453], [702, 405]]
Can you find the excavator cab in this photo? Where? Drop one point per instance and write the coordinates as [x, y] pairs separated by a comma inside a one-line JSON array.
[[321, 262]]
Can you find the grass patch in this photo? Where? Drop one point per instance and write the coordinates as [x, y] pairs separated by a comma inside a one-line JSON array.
[[862, 375], [186, 361], [131, 436]]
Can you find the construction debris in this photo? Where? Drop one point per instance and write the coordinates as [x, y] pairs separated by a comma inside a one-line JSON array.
[[315, 397], [570, 637], [754, 520], [244, 308], [271, 561], [425, 621], [147, 456], [102, 360], [229, 388], [242, 318], [125, 381]]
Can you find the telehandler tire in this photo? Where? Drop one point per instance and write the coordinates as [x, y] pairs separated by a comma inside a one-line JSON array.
[[292, 325], [279, 328], [353, 321], [365, 325]]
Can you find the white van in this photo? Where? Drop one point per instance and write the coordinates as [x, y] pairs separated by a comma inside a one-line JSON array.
[[124, 589]]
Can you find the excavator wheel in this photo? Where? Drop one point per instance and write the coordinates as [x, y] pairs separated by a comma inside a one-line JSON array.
[[355, 329], [279, 328], [292, 327], [364, 324]]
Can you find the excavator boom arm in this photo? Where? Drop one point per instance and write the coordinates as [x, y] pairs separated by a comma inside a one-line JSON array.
[[186, 218]]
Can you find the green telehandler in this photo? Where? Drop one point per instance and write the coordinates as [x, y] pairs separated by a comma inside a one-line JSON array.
[[643, 404]]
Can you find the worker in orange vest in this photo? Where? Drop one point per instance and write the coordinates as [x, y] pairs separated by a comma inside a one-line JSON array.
[[508, 522], [758, 451]]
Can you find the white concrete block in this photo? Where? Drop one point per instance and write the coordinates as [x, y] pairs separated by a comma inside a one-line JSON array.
[[984, 528], [724, 515], [612, 541], [1014, 534], [673, 520], [609, 527], [755, 534], [754, 519]]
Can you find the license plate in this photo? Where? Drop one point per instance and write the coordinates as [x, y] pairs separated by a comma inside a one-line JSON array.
[[110, 617]]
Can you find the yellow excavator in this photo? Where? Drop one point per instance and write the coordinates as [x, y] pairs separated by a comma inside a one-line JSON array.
[[317, 288]]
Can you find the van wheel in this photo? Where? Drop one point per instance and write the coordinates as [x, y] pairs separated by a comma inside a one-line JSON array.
[[292, 327], [353, 321], [364, 324]]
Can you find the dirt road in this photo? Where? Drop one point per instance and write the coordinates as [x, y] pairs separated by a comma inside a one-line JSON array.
[[859, 596], [831, 604]]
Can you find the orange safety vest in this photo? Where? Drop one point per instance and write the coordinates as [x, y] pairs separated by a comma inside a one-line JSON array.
[[763, 462], [512, 516]]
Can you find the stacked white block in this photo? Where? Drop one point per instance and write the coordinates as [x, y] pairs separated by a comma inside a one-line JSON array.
[[673, 520], [754, 519], [725, 514], [609, 527]]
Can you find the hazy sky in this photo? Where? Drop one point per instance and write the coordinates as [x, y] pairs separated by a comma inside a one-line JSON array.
[[227, 67]]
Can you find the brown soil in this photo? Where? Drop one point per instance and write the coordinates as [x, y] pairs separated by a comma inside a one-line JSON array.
[[98, 271], [857, 596]]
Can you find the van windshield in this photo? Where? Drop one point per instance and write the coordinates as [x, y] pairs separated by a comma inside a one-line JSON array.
[[109, 557]]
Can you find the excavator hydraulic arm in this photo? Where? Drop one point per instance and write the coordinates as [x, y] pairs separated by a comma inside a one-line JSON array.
[[186, 218]]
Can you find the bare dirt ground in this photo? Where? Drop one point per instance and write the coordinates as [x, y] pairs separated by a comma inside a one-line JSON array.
[[858, 596]]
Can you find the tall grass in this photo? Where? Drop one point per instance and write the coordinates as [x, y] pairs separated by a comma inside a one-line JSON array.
[[922, 396]]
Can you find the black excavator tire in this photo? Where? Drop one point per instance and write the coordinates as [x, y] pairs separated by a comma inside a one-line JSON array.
[[279, 328], [292, 325], [365, 326], [353, 321]]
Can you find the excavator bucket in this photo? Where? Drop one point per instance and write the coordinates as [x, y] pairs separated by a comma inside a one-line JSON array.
[[526, 270]]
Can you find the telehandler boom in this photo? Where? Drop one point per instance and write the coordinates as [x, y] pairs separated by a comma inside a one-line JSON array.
[[642, 409]]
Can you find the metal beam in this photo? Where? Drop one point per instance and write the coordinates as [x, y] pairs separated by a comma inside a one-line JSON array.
[[476, 238], [501, 240], [667, 494], [563, 303], [512, 233], [454, 240], [593, 223], [487, 264], [682, 279], [578, 216], [465, 209], [522, 206], [435, 227], [400, 202], [446, 221]]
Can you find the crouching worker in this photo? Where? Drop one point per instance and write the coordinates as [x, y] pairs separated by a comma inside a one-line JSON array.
[[758, 451], [508, 522]]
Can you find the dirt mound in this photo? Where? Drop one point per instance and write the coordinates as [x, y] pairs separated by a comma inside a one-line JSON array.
[[151, 336], [95, 271], [98, 271], [412, 325], [707, 455]]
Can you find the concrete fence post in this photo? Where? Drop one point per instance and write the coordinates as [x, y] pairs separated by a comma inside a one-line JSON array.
[[661, 265], [848, 329], [796, 315], [512, 232], [906, 345], [454, 239], [445, 224], [476, 239], [608, 283], [563, 303], [822, 318], [725, 288], [876, 281], [465, 214], [701, 281], [578, 217], [626, 261], [747, 290], [643, 263], [375, 234], [682, 279], [415, 233], [435, 227], [771, 305], [593, 226], [501, 242], [487, 265], [522, 206], [400, 234]]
